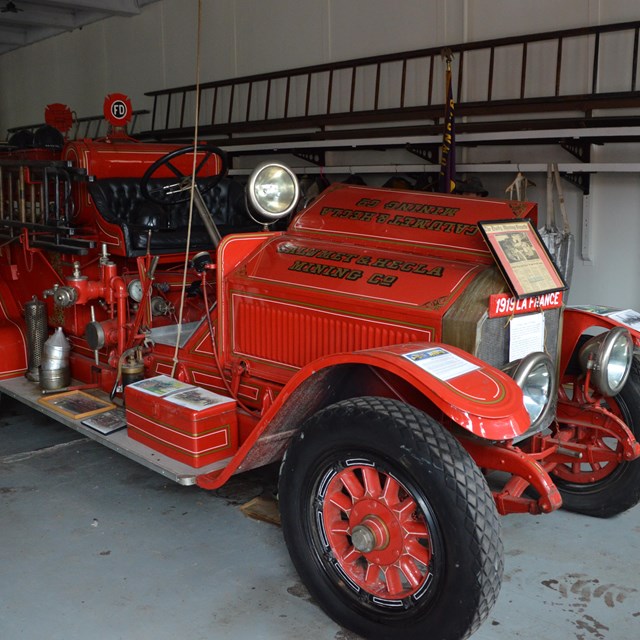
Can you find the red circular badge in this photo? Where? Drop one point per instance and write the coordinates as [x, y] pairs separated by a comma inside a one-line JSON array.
[[117, 109], [59, 116]]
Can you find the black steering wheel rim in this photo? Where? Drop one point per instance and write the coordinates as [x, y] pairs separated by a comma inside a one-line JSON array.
[[182, 194]]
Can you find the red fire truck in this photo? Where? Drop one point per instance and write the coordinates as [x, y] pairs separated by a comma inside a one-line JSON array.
[[414, 369]]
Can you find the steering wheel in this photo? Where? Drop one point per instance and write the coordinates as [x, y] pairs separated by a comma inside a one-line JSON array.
[[179, 190]]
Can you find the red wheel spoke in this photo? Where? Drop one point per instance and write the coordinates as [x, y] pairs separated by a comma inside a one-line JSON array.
[[372, 577], [391, 493], [418, 552], [603, 455], [372, 485], [340, 545], [416, 528], [352, 484], [339, 527], [351, 555], [405, 509], [411, 572], [393, 580], [340, 500]]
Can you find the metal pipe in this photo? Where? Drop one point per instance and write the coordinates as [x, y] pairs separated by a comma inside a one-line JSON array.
[[22, 202], [209, 224]]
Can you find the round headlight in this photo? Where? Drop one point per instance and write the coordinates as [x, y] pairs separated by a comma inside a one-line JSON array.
[[534, 374], [609, 357], [536, 390], [273, 191]]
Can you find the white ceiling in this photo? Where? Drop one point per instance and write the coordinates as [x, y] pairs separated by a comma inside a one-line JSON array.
[[25, 22]]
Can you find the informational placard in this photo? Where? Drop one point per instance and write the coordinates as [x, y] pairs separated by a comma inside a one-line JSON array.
[[522, 257], [197, 398], [441, 363], [526, 335], [627, 317], [160, 386]]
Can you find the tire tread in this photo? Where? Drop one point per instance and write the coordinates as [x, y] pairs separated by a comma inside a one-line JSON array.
[[465, 481]]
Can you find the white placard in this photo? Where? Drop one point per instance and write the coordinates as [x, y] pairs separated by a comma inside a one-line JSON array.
[[160, 386], [441, 363], [197, 398], [628, 317], [526, 335]]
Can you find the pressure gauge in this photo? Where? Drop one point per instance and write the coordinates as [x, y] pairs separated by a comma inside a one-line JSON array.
[[134, 288]]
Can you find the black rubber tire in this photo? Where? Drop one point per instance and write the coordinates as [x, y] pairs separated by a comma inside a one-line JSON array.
[[619, 491], [441, 477]]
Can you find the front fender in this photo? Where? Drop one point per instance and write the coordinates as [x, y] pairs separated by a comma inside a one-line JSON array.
[[478, 397], [475, 395], [577, 320]]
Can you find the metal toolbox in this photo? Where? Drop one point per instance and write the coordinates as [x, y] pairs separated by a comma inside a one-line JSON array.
[[172, 426]]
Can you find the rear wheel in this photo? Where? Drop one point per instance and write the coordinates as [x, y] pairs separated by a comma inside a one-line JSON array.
[[606, 485], [389, 522]]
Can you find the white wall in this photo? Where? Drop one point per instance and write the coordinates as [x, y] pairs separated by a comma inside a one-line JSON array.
[[157, 50]]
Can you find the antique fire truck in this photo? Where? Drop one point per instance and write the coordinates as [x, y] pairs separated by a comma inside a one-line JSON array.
[[374, 342]]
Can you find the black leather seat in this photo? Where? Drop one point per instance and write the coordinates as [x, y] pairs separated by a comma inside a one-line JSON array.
[[120, 201]]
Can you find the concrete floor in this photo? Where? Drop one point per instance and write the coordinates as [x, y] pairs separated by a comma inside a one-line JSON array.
[[94, 546]]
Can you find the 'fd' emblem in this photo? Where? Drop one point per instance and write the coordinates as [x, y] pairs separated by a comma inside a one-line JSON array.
[[117, 109]]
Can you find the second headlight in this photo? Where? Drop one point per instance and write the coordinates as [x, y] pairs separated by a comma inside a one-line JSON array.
[[535, 375], [609, 357]]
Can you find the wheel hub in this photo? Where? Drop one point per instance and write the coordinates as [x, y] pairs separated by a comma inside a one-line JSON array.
[[371, 534]]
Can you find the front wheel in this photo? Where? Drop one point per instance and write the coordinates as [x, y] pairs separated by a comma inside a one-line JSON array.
[[605, 486], [390, 523]]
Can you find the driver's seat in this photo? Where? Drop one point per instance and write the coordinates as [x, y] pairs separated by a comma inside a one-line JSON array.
[[120, 201]]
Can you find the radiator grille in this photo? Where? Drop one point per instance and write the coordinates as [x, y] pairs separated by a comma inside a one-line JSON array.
[[467, 325], [493, 343], [294, 335]]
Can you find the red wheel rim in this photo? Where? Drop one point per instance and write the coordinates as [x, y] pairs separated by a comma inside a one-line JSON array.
[[604, 457], [377, 532], [604, 452]]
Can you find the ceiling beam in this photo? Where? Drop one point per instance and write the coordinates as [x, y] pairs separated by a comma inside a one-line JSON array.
[[114, 7], [65, 20], [36, 20], [13, 36]]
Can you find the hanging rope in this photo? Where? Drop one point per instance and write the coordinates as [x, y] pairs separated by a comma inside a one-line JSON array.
[[518, 187], [192, 188]]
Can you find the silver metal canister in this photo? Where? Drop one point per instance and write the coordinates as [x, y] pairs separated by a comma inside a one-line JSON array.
[[35, 315], [55, 372]]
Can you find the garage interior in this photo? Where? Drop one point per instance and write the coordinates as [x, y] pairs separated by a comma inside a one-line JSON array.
[[96, 545]]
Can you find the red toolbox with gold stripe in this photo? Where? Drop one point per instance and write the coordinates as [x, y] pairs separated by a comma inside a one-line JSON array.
[[186, 423]]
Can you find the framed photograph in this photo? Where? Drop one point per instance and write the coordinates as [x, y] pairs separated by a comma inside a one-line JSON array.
[[76, 404], [107, 422], [522, 257]]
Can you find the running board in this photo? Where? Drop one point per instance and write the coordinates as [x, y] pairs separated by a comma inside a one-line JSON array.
[[28, 393]]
